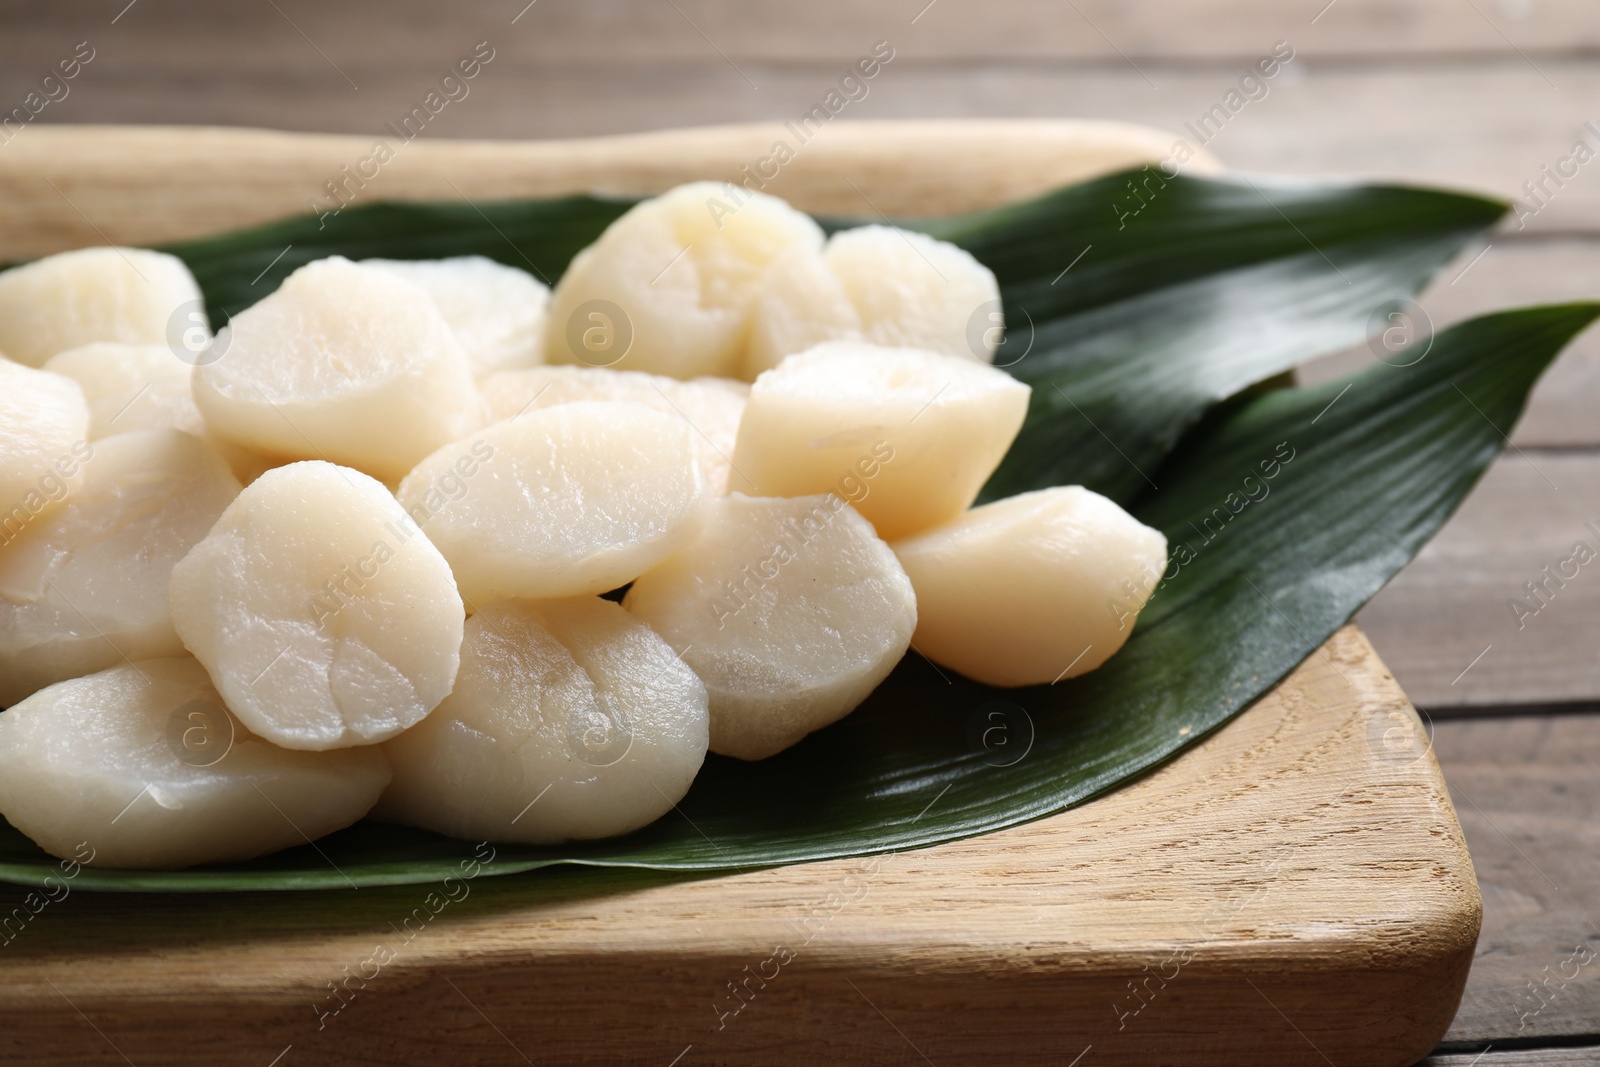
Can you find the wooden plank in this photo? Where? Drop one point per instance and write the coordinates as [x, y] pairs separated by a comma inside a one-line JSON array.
[[1094, 30], [68, 186], [1490, 126], [1507, 272], [1445, 624], [1541, 1057], [1299, 878], [1529, 802]]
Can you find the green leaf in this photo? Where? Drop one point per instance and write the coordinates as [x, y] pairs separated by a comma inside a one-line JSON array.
[[1366, 470], [1211, 287]]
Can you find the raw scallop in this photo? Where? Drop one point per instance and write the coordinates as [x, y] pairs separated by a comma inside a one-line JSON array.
[[142, 766], [44, 439], [496, 311], [345, 363], [130, 295], [802, 304], [790, 611], [670, 286], [908, 437], [146, 387], [570, 719], [324, 615], [575, 499], [711, 406], [1033, 588], [85, 587], [880, 284]]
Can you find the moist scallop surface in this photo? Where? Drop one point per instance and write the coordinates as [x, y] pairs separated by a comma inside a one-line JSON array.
[[562, 501], [916, 433], [711, 407], [1034, 588], [571, 720], [790, 610], [141, 766], [670, 287], [324, 616], [128, 295], [345, 363], [44, 438], [84, 587], [496, 312]]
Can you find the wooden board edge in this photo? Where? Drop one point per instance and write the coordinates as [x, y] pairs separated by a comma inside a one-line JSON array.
[[70, 186], [1380, 989]]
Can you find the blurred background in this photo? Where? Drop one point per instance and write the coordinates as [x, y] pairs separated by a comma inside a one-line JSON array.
[[1497, 96], [1470, 92]]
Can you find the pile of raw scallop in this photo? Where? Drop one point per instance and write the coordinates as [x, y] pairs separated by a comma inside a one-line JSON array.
[[430, 543]]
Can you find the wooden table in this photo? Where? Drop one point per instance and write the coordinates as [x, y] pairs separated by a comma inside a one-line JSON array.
[[1476, 93]]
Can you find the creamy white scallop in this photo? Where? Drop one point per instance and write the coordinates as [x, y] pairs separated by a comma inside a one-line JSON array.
[[44, 439], [141, 765], [345, 363], [129, 295], [1034, 588], [710, 406], [85, 586], [575, 499], [791, 612], [570, 720], [496, 311], [146, 387], [670, 287], [909, 437], [324, 616], [879, 284]]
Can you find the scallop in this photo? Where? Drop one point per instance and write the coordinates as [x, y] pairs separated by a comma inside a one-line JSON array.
[[1034, 588], [145, 387], [802, 304], [324, 616], [44, 430], [908, 437], [142, 766], [670, 287], [496, 311], [711, 406], [563, 501], [914, 291], [571, 719], [791, 611], [344, 363], [130, 295], [881, 284], [85, 587]]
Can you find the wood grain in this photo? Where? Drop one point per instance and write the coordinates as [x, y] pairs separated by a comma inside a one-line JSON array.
[[1529, 801], [1453, 601], [66, 187], [360, 39], [1541, 1057], [1430, 91], [1510, 272], [1299, 878], [1452, 604]]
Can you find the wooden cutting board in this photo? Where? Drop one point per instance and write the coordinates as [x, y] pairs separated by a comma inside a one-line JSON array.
[[1293, 890]]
